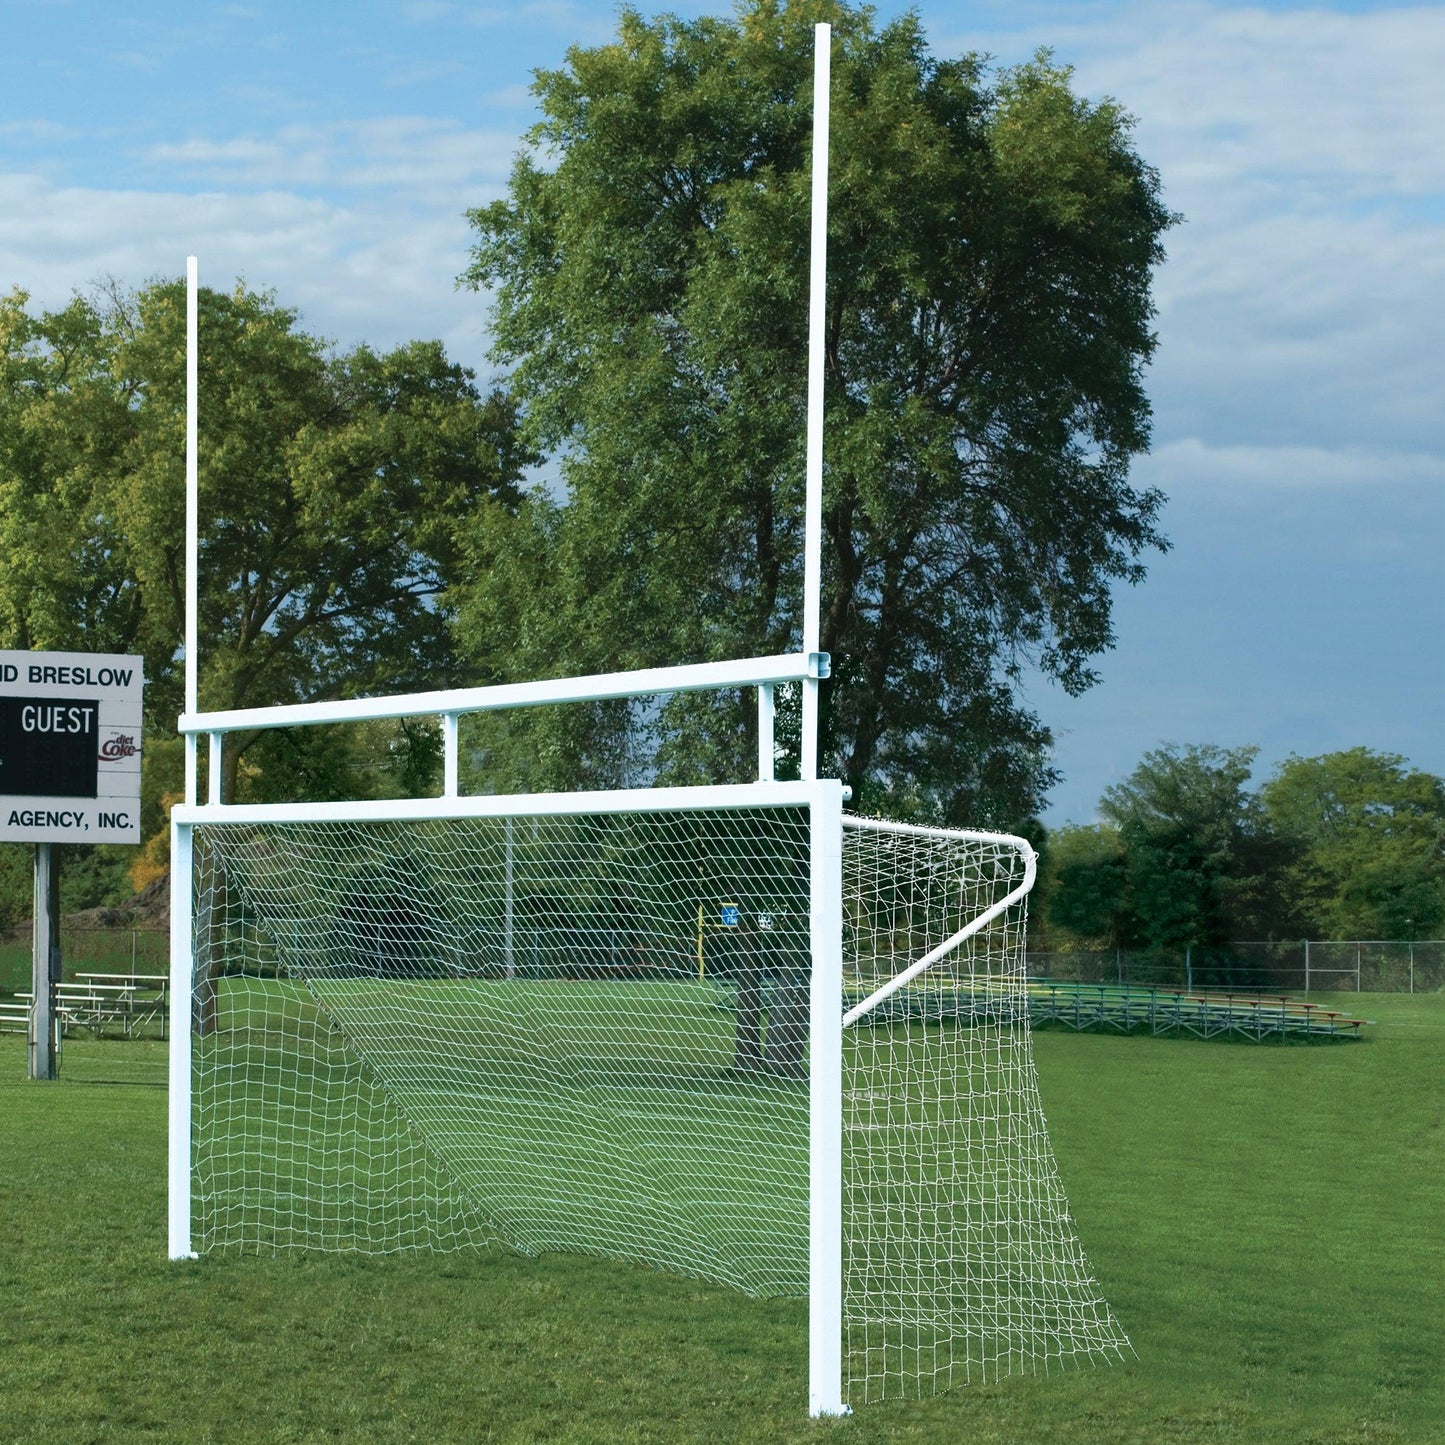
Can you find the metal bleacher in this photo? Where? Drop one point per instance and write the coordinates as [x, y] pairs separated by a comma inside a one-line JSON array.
[[1205, 1013], [1126, 1008], [97, 1004]]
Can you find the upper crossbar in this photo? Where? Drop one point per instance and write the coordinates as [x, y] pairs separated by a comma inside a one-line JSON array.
[[975, 925], [600, 687]]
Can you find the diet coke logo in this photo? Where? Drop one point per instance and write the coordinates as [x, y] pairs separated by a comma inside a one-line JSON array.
[[122, 745]]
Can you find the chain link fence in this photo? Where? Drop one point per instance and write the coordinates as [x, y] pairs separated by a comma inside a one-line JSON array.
[[132, 951], [1302, 967], [129, 951], [1308, 966]]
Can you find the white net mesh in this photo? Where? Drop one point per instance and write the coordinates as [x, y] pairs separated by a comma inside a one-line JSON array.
[[960, 1260], [479, 1031], [589, 1033]]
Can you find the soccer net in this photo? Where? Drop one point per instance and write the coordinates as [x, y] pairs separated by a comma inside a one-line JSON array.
[[591, 1033], [960, 1260]]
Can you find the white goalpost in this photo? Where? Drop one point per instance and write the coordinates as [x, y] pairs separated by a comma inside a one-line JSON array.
[[729, 1031]]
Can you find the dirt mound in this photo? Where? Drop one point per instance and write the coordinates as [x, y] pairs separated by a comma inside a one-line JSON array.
[[150, 908]]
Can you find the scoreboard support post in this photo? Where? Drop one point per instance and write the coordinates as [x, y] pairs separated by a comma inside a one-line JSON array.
[[45, 964]]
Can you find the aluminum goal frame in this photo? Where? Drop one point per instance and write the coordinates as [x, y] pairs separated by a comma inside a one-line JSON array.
[[824, 800]]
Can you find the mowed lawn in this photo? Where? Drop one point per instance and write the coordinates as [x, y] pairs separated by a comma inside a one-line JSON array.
[[1268, 1222], [604, 1117]]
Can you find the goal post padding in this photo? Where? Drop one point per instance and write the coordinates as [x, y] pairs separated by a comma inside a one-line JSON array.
[[495, 1032]]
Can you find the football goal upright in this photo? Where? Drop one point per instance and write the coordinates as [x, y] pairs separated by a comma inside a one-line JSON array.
[[731, 1032]]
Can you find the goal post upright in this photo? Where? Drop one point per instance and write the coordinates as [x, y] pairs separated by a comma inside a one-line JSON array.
[[817, 349], [182, 940], [193, 526], [182, 978], [825, 1070], [825, 1083]]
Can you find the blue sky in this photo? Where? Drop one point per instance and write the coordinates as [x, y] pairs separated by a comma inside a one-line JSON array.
[[328, 151]]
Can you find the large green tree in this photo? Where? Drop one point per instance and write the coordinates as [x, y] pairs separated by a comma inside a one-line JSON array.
[[1202, 865], [333, 491], [1369, 843], [1084, 888], [63, 425], [991, 243]]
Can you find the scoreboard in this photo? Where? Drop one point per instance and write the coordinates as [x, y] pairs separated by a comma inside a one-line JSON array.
[[70, 736]]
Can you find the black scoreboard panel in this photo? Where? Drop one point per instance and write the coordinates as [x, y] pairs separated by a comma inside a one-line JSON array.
[[49, 747]]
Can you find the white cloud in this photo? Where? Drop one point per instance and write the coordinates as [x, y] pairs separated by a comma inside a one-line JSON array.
[[424, 73], [513, 97], [424, 160], [356, 273], [582, 24], [39, 131], [1304, 295], [1230, 94], [1242, 471], [1290, 327], [1283, 98], [147, 60]]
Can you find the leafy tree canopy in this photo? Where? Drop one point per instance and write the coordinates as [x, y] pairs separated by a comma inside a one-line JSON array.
[[1202, 863], [332, 493], [992, 239], [1348, 845], [1085, 886], [1369, 837]]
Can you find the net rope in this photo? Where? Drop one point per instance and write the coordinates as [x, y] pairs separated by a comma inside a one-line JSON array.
[[589, 1034], [961, 1262]]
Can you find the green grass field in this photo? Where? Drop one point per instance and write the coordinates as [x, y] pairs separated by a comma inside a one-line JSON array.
[[15, 965], [1268, 1222], [611, 1117], [475, 1074]]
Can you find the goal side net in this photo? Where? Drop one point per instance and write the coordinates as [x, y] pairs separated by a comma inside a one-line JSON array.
[[961, 1263], [596, 1033]]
